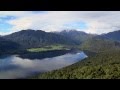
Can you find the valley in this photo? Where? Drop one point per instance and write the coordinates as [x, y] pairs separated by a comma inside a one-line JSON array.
[[71, 55], [60, 44]]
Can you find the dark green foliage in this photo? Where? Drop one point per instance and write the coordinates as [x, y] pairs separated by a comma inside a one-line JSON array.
[[38, 38], [104, 65], [100, 45], [8, 46]]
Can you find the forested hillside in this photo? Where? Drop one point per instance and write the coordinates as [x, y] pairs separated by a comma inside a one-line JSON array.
[[105, 65], [7, 46], [37, 38], [100, 45], [77, 36], [112, 35]]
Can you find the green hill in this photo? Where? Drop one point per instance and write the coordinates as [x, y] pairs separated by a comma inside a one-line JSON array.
[[105, 65], [100, 45], [77, 36], [37, 38]]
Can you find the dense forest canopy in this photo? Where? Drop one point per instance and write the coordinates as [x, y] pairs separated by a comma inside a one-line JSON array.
[[103, 65]]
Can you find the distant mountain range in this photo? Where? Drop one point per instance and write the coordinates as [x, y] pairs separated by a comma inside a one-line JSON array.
[[98, 45], [77, 36], [38, 38], [112, 35]]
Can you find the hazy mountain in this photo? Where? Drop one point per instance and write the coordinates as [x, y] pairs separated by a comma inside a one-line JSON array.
[[112, 35], [76, 36], [103, 42], [37, 38], [99, 44]]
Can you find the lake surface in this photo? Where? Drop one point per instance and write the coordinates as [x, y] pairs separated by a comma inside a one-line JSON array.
[[12, 67]]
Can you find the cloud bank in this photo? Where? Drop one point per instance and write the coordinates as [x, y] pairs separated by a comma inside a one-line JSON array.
[[88, 21]]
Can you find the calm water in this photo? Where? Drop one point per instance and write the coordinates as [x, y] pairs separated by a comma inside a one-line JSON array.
[[12, 67]]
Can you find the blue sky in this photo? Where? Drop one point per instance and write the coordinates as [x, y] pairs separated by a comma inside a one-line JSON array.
[[88, 21], [4, 26], [77, 25]]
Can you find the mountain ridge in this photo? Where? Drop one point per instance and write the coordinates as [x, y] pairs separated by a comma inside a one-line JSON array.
[[115, 35], [37, 38], [77, 36]]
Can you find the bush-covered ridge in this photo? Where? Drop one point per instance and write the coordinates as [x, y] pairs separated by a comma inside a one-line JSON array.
[[104, 65], [37, 38]]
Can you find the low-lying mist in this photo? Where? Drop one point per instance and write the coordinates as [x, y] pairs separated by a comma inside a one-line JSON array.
[[13, 67]]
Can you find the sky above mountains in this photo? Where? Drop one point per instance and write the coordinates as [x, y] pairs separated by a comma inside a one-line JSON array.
[[97, 22]]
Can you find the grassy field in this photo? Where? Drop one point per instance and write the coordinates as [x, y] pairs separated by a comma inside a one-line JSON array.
[[48, 48]]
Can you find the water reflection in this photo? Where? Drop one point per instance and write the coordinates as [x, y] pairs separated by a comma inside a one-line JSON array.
[[15, 67]]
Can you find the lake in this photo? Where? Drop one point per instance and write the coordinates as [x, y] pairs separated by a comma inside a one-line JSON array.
[[12, 67]]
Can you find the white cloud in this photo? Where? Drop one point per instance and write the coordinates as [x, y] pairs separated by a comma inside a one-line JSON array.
[[97, 21]]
